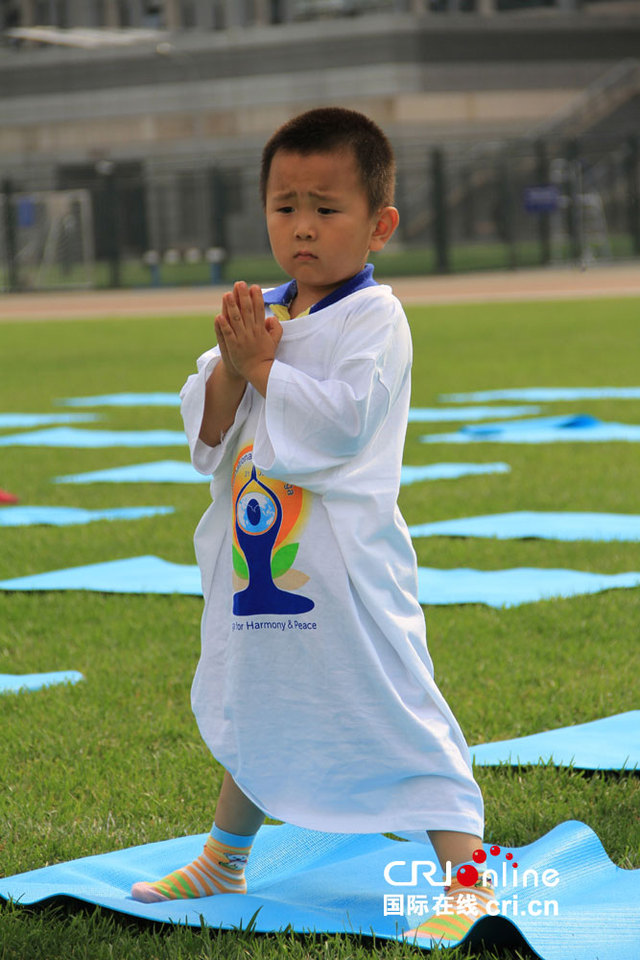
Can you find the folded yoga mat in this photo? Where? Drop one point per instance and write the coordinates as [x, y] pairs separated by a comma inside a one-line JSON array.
[[566, 897], [537, 524], [444, 414], [163, 471], [175, 471], [449, 471], [496, 588], [70, 437], [510, 588], [67, 516], [13, 683], [611, 743], [124, 400], [146, 574], [574, 429], [13, 420], [545, 394]]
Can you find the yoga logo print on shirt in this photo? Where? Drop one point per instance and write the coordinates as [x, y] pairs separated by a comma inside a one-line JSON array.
[[267, 515]]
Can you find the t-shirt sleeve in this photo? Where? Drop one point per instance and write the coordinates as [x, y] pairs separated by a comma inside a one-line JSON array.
[[310, 426], [205, 458]]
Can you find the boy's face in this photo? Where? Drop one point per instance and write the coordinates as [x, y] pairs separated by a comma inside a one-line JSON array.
[[320, 227]]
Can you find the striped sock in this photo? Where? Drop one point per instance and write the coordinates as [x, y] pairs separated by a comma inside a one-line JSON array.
[[460, 909], [218, 869]]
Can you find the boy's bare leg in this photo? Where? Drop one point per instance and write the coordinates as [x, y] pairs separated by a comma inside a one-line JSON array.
[[453, 847], [466, 902], [235, 813], [220, 866]]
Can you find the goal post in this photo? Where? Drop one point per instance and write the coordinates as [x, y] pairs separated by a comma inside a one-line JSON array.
[[46, 240]]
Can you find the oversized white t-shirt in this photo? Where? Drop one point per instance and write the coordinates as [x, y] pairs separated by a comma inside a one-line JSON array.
[[315, 688]]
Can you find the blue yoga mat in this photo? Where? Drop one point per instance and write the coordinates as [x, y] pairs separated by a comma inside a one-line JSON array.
[[147, 574], [611, 743], [576, 904], [175, 471], [13, 683], [163, 471], [67, 516], [451, 414], [537, 524], [510, 588], [496, 588], [449, 471], [573, 429], [71, 437], [545, 394], [124, 400], [13, 420]]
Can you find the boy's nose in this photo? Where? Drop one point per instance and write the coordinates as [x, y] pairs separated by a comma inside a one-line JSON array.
[[304, 230]]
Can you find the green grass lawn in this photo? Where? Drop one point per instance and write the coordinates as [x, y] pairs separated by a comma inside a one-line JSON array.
[[117, 760]]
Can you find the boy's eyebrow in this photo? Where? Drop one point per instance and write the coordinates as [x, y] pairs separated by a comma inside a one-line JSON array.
[[316, 194]]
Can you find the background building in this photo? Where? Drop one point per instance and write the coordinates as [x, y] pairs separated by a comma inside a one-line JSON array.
[[158, 111]]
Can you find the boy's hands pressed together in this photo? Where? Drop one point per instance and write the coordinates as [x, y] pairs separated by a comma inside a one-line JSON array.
[[247, 339]]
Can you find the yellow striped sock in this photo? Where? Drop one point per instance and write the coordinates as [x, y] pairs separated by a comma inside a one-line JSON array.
[[462, 907], [218, 869]]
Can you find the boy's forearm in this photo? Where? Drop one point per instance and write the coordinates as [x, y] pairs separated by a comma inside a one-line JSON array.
[[223, 394], [258, 376]]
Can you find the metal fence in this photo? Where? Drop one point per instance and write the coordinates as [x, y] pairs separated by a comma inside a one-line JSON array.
[[192, 220]]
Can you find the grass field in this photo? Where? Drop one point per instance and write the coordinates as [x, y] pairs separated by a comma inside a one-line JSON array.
[[117, 760]]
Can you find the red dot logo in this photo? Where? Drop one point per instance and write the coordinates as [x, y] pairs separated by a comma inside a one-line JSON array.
[[467, 875], [494, 851], [479, 856]]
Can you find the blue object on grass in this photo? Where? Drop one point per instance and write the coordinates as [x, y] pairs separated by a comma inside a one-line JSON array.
[[510, 588], [580, 428], [176, 471], [147, 574], [335, 883], [611, 743], [10, 421], [537, 524], [162, 471], [67, 516], [13, 683], [449, 471], [71, 437], [124, 400], [451, 414], [545, 394], [496, 588]]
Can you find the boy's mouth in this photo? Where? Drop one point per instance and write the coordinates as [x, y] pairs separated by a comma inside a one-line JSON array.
[[304, 255]]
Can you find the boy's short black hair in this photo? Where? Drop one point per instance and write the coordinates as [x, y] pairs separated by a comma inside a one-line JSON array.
[[329, 129]]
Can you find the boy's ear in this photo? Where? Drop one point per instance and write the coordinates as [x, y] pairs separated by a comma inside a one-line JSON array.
[[386, 222]]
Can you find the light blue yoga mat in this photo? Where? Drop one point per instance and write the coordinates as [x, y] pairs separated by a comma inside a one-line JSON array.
[[163, 471], [510, 588], [452, 414], [13, 683], [573, 429], [449, 471], [146, 574], [124, 400], [71, 437], [12, 420], [496, 588], [67, 516], [538, 525], [575, 905], [611, 743], [175, 471], [545, 394]]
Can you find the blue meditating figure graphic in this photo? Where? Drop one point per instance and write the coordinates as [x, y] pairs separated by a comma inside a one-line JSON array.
[[258, 518]]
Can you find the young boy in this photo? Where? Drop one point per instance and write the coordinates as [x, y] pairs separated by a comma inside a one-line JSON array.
[[315, 688]]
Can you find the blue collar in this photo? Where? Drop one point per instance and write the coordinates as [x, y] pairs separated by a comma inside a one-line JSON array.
[[286, 292]]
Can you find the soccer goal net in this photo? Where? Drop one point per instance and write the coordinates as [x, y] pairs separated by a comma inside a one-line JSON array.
[[46, 240]]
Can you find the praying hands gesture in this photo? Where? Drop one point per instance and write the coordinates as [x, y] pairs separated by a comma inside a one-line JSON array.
[[247, 339]]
